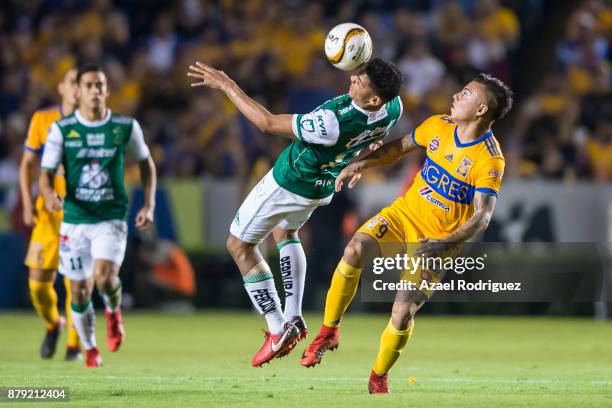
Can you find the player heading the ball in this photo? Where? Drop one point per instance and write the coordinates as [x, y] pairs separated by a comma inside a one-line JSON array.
[[322, 144]]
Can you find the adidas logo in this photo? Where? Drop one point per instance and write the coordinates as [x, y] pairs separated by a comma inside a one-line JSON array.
[[449, 157]]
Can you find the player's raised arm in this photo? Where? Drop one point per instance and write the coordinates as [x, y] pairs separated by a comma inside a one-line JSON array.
[[262, 118], [387, 154]]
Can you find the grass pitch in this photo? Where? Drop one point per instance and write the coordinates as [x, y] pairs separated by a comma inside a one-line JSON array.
[[203, 360]]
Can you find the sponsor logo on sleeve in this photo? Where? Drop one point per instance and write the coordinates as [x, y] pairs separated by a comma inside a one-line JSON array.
[[375, 220], [321, 123], [434, 144], [496, 173], [307, 125]]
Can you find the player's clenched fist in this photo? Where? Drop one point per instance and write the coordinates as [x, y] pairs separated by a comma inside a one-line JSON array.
[[144, 218]]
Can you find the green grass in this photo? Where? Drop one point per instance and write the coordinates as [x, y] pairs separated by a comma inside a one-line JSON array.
[[203, 360]]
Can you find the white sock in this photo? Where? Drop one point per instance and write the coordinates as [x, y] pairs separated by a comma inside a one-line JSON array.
[[84, 319], [259, 284], [293, 274]]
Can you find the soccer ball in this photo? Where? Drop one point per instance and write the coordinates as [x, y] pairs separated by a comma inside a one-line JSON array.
[[348, 46]]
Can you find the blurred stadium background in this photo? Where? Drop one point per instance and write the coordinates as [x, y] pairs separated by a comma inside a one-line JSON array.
[[557, 141], [557, 188]]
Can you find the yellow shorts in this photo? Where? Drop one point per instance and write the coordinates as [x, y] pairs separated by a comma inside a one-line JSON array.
[[43, 252], [396, 233]]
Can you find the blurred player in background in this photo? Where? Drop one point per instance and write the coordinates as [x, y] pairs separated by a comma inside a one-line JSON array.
[[43, 254], [451, 200], [323, 143], [91, 145]]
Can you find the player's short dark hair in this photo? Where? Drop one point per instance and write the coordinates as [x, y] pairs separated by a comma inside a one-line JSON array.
[[85, 69], [385, 78], [499, 95]]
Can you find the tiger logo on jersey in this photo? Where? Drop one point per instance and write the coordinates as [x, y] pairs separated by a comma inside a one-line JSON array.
[[465, 166]]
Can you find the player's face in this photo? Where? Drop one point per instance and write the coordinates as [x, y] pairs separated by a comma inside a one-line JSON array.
[[469, 103], [360, 90], [93, 90], [68, 88]]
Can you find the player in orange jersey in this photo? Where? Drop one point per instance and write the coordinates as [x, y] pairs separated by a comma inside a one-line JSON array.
[[43, 252], [451, 200]]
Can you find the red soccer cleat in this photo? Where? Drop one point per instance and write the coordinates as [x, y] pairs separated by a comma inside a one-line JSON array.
[[276, 345], [93, 358], [300, 323], [115, 332], [378, 384], [327, 339]]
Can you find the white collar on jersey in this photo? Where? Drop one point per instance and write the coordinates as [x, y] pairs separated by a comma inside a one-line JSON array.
[[373, 116], [93, 123]]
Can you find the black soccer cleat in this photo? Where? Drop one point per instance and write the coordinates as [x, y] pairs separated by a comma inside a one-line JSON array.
[[49, 344], [73, 354]]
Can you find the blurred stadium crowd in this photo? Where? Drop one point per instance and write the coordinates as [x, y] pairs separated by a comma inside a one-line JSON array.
[[560, 129]]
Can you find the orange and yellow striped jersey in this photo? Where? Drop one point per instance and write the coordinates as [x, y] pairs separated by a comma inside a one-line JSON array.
[[35, 142], [441, 197]]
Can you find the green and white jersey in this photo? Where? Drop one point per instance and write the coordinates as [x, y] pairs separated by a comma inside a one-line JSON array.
[[93, 156], [328, 138]]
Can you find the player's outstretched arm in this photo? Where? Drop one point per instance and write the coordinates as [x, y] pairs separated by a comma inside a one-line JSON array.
[[254, 112], [478, 222], [148, 178], [387, 154]]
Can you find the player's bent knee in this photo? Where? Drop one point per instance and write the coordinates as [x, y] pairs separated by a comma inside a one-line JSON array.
[[232, 244], [281, 235], [237, 248], [353, 252], [361, 247], [105, 273], [80, 293], [402, 313]]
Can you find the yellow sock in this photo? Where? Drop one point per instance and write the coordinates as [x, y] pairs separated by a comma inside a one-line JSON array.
[[392, 342], [341, 292], [73, 336], [44, 299]]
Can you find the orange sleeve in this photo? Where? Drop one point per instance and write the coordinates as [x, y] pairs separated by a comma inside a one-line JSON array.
[[422, 134], [490, 176], [34, 141]]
